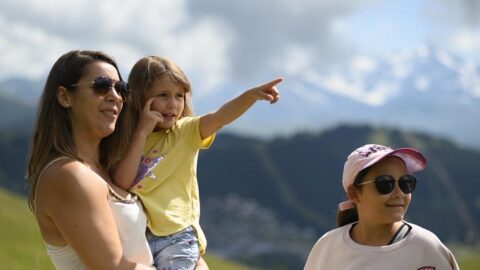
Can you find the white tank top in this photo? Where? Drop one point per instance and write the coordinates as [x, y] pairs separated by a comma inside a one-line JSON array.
[[131, 224]]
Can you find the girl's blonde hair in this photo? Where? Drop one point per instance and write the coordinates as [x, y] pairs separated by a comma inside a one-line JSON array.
[[142, 76], [52, 133]]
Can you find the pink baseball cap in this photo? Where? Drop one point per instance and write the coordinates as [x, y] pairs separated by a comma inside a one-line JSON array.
[[369, 154]]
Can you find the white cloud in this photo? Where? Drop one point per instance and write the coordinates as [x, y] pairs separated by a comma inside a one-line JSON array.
[[265, 31], [466, 41], [204, 55], [26, 49], [214, 41], [35, 33], [455, 26]]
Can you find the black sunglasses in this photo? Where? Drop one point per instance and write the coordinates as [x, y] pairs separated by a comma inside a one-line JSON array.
[[102, 85], [385, 183]]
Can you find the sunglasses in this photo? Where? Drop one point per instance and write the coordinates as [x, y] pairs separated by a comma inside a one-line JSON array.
[[385, 183], [102, 85]]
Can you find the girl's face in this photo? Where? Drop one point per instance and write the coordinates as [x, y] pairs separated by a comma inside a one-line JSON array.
[[92, 113], [374, 207], [169, 100]]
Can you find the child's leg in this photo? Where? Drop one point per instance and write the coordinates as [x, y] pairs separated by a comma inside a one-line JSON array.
[[178, 251]]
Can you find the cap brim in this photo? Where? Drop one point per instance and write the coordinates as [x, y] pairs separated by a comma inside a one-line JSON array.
[[414, 160]]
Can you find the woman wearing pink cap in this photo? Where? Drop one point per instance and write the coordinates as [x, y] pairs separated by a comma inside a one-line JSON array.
[[372, 233]]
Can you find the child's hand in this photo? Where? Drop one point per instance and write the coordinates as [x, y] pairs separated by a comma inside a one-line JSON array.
[[149, 119], [214, 121], [267, 91]]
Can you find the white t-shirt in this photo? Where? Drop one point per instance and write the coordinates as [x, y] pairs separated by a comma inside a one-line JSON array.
[[419, 250]]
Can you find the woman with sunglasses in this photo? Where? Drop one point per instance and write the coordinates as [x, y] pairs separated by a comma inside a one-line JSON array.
[[372, 233], [85, 220]]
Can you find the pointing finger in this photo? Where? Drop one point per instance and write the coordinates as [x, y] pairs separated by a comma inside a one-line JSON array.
[[272, 83]]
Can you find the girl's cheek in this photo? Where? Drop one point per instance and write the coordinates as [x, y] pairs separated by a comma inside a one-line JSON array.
[[156, 104]]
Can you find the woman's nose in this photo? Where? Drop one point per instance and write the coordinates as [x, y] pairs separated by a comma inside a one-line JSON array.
[[113, 95]]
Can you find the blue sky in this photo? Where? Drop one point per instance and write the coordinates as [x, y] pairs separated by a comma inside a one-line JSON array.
[[389, 25]]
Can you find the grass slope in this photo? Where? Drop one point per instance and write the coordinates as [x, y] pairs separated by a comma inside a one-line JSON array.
[[21, 246]]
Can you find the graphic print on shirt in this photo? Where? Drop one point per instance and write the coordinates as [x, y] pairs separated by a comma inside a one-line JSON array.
[[145, 169]]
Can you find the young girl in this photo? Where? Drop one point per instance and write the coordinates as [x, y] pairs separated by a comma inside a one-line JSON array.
[[372, 232], [160, 165]]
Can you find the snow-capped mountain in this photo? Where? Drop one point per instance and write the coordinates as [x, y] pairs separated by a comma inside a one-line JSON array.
[[426, 90]]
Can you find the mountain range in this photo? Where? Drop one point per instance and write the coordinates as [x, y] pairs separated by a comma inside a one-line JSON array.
[[426, 90]]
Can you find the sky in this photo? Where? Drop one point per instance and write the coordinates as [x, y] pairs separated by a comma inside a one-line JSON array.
[[362, 51], [219, 42]]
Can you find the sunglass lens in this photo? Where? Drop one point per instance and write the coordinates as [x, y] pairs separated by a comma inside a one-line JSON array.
[[384, 184], [102, 85], [407, 183], [122, 88]]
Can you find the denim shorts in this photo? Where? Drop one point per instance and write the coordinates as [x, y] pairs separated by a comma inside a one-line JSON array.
[[178, 251]]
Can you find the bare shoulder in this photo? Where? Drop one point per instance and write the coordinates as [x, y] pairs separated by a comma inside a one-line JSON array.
[[70, 182]]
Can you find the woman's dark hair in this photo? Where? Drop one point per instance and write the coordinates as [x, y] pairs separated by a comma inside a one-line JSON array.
[[351, 215], [52, 133]]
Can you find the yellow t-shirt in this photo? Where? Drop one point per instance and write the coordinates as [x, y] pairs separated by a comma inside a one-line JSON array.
[[167, 178]]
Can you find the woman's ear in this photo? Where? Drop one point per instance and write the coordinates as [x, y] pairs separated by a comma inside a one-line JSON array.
[[352, 194], [63, 97]]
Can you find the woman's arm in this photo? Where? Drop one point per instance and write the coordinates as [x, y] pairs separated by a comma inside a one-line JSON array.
[[230, 111], [78, 206]]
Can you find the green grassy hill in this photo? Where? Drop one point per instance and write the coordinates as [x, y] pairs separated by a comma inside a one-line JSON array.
[[21, 246]]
